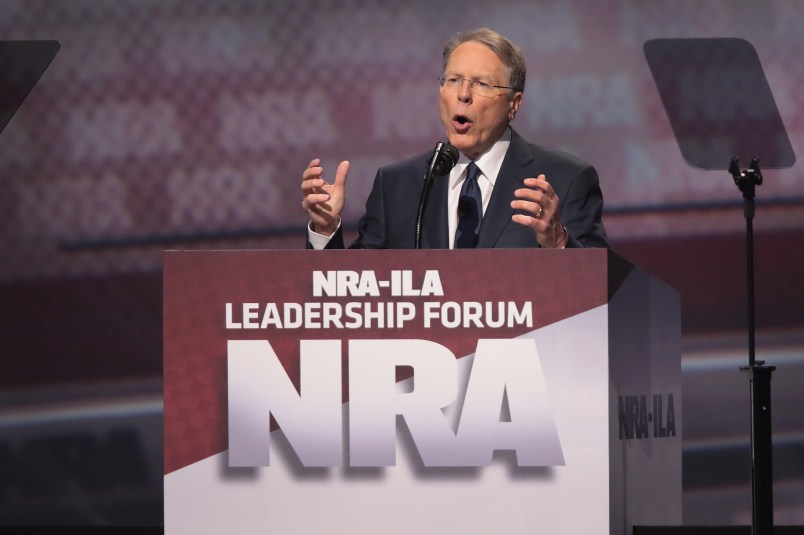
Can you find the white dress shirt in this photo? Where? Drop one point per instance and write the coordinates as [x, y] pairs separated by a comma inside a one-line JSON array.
[[489, 164]]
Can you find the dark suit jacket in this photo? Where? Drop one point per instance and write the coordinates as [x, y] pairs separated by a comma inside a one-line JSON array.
[[390, 218]]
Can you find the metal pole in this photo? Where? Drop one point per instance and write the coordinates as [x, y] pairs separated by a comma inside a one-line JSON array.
[[760, 387]]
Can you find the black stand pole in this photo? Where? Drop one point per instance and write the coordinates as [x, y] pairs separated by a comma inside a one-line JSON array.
[[760, 387]]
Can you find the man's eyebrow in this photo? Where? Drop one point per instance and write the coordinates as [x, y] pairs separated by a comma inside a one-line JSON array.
[[481, 78]]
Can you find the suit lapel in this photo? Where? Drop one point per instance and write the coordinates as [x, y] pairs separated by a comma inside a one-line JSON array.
[[514, 170]]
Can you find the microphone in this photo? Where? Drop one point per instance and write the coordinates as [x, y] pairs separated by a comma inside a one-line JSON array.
[[441, 163], [444, 158]]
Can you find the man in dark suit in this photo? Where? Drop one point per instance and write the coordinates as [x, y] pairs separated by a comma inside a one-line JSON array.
[[503, 192]]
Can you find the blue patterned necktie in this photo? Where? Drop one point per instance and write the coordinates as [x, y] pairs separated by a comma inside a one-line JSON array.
[[470, 210]]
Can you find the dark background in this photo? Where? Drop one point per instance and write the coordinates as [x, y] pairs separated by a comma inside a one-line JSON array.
[[179, 124]]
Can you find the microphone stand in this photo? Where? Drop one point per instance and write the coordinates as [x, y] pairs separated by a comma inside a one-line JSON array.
[[428, 185], [444, 159], [760, 375]]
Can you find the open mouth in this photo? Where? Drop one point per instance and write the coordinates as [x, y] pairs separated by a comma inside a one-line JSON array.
[[461, 123]]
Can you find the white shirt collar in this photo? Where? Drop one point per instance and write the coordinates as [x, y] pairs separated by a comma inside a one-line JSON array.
[[489, 162]]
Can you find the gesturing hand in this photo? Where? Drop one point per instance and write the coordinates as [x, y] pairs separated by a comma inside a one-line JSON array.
[[540, 204], [323, 201]]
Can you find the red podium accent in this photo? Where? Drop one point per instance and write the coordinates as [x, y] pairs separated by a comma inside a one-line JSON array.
[[607, 336]]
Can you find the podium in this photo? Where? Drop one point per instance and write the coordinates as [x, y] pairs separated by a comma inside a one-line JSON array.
[[466, 391]]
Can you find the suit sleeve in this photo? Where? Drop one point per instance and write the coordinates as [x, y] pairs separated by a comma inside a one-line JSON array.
[[582, 211], [372, 225]]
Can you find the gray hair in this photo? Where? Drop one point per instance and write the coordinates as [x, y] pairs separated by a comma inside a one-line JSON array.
[[508, 52]]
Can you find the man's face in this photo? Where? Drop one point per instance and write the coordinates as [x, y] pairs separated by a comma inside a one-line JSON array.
[[473, 123]]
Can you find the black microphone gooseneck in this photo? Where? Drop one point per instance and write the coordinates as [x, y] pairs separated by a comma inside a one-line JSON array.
[[441, 163]]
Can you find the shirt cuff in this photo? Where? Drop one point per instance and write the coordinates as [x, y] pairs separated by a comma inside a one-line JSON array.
[[319, 241]]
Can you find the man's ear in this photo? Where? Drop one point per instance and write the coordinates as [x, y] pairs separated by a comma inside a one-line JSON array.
[[516, 100]]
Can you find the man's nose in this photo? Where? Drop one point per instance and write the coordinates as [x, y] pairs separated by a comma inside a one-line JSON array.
[[465, 91]]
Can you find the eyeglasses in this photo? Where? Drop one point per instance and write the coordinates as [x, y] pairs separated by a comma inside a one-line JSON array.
[[483, 89]]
